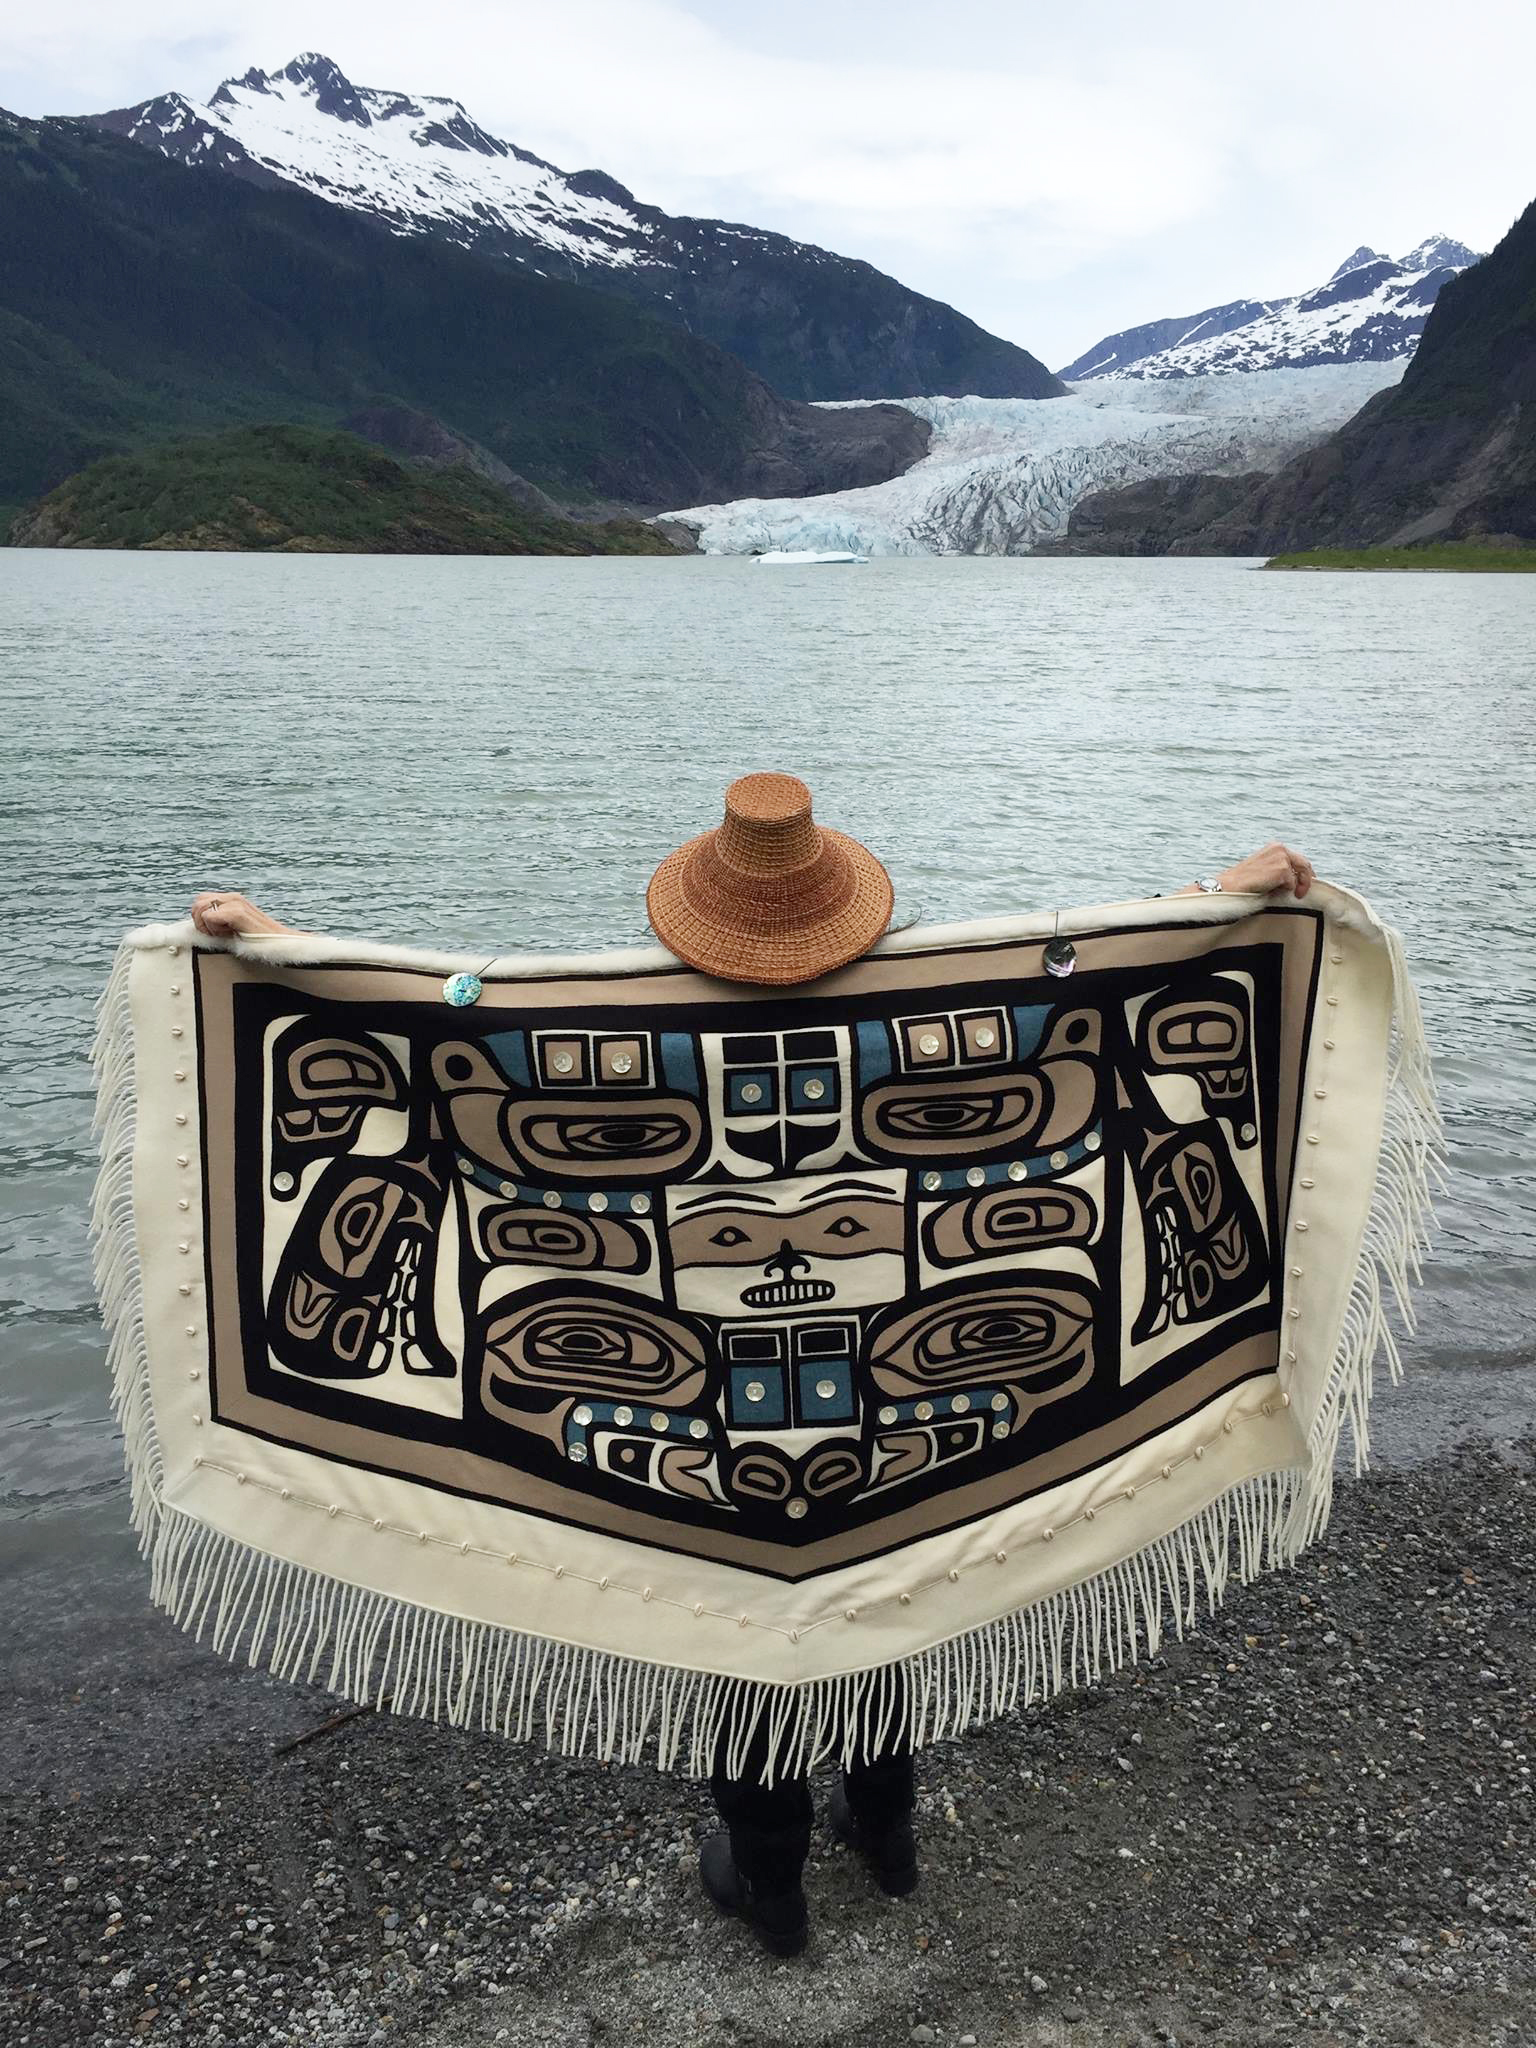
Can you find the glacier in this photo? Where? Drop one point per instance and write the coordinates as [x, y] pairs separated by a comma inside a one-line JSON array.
[[1002, 474]]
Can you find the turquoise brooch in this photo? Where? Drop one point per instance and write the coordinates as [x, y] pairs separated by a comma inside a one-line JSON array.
[[462, 989]]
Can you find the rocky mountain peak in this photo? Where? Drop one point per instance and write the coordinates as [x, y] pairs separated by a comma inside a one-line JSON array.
[[1364, 254], [1439, 252]]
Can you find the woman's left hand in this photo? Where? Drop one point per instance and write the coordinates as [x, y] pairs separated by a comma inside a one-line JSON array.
[[225, 914]]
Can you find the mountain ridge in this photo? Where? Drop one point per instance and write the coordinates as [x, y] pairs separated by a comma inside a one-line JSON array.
[[269, 305], [1372, 308], [815, 324]]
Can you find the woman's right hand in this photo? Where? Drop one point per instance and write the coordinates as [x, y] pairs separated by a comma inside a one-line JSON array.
[[225, 914]]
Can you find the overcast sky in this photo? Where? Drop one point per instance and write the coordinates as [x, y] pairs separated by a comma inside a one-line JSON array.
[[1055, 172]]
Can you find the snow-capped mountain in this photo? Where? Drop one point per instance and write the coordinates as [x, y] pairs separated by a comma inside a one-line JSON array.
[[815, 324], [1372, 309], [1001, 476]]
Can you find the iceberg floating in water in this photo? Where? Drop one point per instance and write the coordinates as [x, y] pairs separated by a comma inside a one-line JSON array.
[[1003, 474], [783, 558]]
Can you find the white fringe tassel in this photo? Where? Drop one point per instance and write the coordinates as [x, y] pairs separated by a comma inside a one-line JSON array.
[[377, 1649]]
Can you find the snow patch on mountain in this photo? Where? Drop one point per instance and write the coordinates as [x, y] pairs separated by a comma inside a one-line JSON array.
[[1372, 309], [416, 163], [1003, 474]]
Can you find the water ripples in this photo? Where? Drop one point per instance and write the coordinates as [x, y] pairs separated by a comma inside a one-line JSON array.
[[494, 754]]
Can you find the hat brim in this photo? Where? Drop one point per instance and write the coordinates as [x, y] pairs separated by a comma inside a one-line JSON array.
[[755, 949]]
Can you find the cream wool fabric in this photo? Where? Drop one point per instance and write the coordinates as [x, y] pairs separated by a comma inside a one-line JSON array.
[[493, 1387]]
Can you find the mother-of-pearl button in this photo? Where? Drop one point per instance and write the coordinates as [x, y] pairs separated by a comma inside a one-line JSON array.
[[815, 1090], [1018, 1170], [933, 1182], [698, 1426], [623, 1416], [976, 1176], [283, 1182], [796, 1507], [622, 1062], [826, 1389], [754, 1390], [1058, 1160], [887, 1415], [599, 1202], [551, 1198], [750, 1092], [961, 1403], [641, 1205], [562, 1063], [929, 1042], [986, 1038], [923, 1410]]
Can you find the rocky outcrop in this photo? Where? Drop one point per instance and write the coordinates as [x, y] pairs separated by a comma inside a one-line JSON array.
[[427, 444], [1148, 517]]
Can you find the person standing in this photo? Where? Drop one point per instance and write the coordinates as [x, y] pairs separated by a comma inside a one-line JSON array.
[[771, 898]]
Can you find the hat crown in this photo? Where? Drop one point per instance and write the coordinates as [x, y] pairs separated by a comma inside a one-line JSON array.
[[768, 828], [769, 896]]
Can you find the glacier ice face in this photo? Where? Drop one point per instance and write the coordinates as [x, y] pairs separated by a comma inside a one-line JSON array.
[[1003, 474]]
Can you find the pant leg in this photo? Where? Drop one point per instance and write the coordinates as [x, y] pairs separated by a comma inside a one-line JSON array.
[[769, 1825], [879, 1779], [881, 1791]]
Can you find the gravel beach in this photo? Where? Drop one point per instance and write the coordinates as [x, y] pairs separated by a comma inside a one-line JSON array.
[[1311, 1822]]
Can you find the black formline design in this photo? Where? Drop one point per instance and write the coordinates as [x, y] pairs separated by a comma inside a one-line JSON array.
[[423, 1027]]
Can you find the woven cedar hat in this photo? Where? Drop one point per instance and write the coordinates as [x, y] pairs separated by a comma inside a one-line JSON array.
[[769, 895]]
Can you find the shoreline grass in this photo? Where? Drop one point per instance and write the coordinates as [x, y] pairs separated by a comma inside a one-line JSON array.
[[1444, 556]]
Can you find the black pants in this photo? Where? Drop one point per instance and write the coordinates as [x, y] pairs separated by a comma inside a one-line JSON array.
[[770, 1825]]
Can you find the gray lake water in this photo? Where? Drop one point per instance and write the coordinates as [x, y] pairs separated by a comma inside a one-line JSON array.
[[496, 753]]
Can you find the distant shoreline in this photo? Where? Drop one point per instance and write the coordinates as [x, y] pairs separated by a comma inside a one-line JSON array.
[[1442, 558]]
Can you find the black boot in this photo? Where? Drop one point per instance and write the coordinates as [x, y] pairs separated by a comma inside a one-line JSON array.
[[777, 1917], [889, 1848]]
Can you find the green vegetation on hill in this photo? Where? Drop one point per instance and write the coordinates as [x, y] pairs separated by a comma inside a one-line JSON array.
[[1451, 554], [304, 490], [141, 299]]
